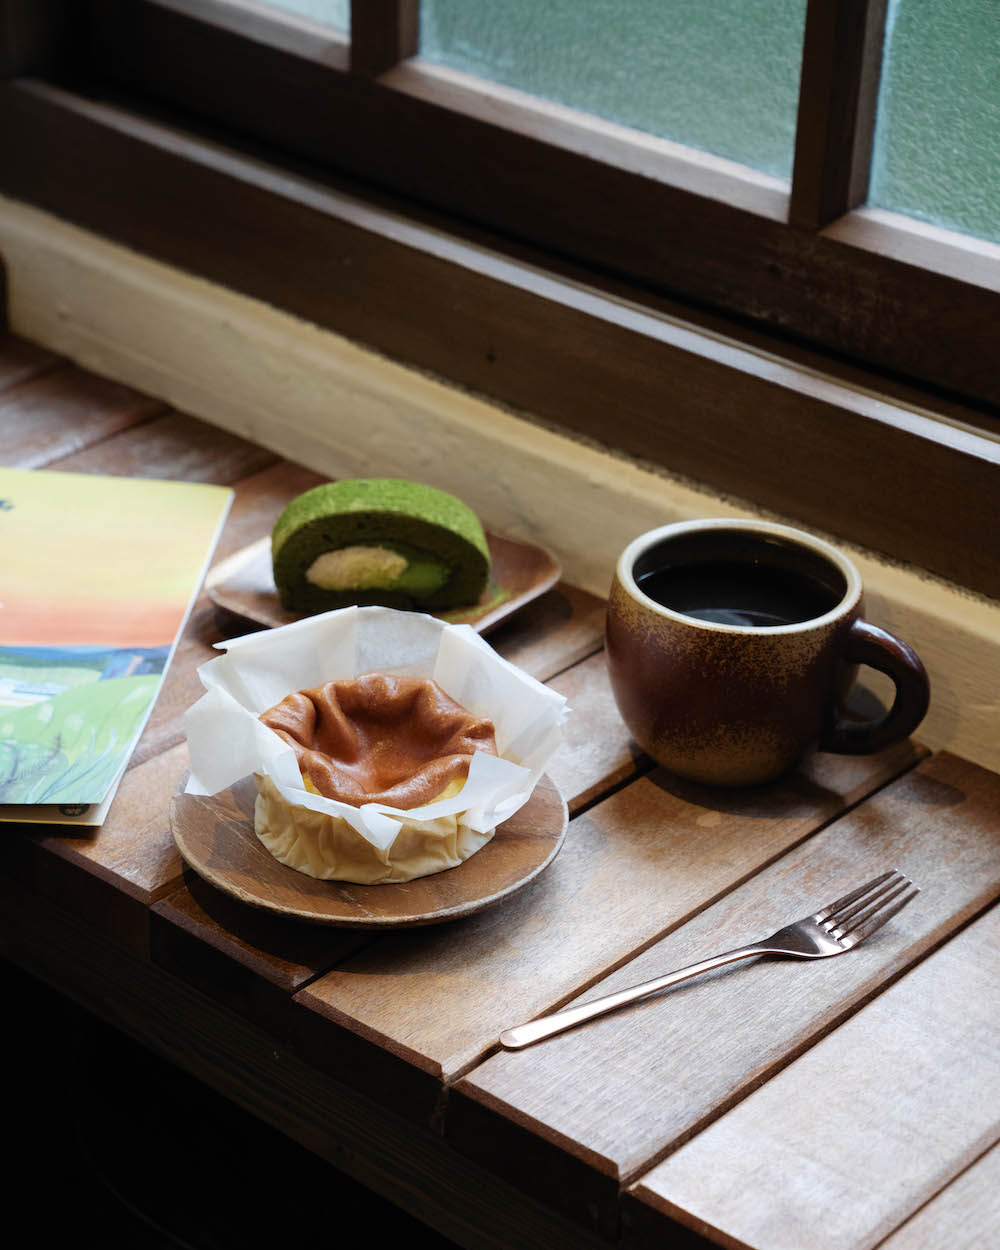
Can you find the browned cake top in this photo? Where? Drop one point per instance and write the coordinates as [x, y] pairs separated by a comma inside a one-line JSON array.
[[380, 739]]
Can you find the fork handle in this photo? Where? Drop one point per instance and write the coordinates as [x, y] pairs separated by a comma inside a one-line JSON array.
[[546, 1026]]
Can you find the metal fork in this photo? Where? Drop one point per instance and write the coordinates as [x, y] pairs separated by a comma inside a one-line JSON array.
[[836, 928]]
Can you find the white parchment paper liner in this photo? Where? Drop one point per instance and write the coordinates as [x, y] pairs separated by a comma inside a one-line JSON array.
[[228, 742]]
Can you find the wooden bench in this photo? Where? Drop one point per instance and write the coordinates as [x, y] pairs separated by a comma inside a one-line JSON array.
[[774, 1105]]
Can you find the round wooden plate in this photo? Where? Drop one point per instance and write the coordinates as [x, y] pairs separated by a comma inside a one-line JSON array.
[[216, 837]]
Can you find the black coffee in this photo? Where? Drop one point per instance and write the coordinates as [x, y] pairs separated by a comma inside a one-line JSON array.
[[738, 592]]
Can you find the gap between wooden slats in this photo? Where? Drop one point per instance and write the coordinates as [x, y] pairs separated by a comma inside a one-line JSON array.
[[858, 1133], [171, 446], [633, 1086], [254, 962], [64, 410], [633, 868], [965, 1215]]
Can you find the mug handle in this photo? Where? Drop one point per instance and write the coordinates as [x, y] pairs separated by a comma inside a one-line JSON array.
[[867, 644]]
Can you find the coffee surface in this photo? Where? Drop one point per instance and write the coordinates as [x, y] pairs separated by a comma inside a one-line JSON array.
[[730, 592]]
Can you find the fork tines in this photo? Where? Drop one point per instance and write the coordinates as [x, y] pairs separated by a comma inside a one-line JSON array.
[[860, 913]]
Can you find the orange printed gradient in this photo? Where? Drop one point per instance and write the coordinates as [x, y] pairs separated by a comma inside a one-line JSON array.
[[97, 623], [87, 560]]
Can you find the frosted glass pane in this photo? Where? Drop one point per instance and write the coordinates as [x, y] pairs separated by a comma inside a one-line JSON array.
[[335, 13], [937, 137], [720, 75]]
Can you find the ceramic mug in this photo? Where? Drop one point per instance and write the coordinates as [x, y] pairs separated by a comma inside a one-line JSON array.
[[731, 645]]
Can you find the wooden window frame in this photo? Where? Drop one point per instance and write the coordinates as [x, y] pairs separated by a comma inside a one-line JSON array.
[[424, 213], [803, 262]]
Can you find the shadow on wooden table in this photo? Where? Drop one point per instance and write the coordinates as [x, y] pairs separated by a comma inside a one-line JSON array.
[[115, 1146]]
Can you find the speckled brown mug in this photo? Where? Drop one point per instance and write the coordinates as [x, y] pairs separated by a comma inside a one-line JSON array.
[[731, 645]]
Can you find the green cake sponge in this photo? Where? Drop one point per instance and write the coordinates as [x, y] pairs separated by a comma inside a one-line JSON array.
[[378, 540]]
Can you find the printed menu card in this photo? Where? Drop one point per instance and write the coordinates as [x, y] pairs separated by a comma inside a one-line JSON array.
[[97, 578]]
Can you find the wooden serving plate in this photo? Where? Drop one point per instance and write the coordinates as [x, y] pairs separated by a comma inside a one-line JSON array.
[[242, 587], [215, 835]]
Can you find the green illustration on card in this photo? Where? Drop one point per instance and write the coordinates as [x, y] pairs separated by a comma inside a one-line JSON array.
[[69, 748]]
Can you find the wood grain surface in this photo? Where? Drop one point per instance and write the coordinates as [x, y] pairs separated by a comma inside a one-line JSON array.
[[633, 868], [172, 445], [698, 1049], [598, 752], [258, 500], [194, 917], [553, 633], [714, 1108], [383, 32], [216, 837], [841, 64], [866, 1127], [111, 875], [965, 1215], [246, 958], [62, 411]]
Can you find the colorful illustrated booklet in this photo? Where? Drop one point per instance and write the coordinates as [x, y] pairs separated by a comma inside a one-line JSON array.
[[97, 578]]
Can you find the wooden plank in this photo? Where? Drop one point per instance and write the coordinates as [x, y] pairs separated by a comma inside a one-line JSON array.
[[175, 446], [21, 360], [110, 876], [244, 959], [383, 33], [571, 1107], [598, 753], [254, 962], [411, 1167], [965, 1215], [60, 412], [258, 500], [555, 631], [862, 1130], [841, 63], [421, 1008]]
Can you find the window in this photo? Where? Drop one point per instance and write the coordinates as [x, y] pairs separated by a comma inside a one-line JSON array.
[[720, 77], [722, 228], [935, 154], [415, 182]]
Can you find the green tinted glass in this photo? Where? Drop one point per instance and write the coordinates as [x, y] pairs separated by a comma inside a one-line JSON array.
[[720, 75], [335, 13], [937, 138]]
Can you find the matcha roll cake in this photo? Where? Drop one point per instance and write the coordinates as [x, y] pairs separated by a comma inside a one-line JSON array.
[[378, 541]]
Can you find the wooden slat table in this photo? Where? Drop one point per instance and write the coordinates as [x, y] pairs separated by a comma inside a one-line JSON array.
[[772, 1105]]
